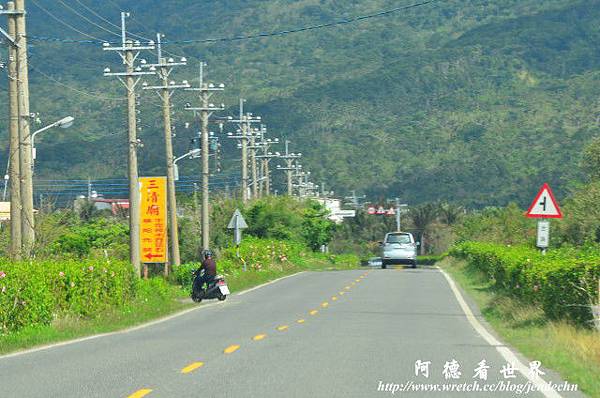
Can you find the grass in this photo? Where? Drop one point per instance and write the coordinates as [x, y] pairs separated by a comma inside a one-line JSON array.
[[572, 352], [149, 306]]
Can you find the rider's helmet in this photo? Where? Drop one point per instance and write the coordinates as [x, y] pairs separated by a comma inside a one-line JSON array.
[[207, 253]]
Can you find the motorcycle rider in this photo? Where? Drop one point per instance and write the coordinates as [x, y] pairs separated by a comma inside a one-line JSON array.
[[210, 271]]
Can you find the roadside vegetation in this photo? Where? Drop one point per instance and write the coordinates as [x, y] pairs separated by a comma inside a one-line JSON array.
[[541, 304], [81, 283]]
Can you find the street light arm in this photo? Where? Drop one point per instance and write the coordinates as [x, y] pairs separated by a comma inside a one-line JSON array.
[[190, 153]]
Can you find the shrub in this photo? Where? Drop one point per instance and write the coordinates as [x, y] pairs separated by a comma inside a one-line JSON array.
[[33, 293], [564, 282]]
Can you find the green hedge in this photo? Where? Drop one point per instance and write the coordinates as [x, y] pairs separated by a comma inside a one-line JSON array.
[[564, 282], [33, 293], [264, 255]]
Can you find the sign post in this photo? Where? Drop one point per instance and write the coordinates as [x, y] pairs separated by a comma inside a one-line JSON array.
[[237, 223], [544, 206], [153, 221]]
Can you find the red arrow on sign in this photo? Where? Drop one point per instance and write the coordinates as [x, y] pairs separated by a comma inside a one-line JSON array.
[[150, 256]]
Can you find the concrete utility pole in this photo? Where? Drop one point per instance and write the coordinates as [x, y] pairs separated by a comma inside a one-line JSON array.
[[265, 144], [206, 90], [245, 123], [399, 214], [14, 147], [26, 188], [164, 68], [289, 167], [253, 148], [129, 52]]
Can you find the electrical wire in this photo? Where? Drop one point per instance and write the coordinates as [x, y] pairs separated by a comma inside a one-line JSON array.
[[68, 7], [260, 35], [85, 93], [63, 22]]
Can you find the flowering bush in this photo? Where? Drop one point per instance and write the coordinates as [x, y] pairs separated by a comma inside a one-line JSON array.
[[564, 282], [33, 293]]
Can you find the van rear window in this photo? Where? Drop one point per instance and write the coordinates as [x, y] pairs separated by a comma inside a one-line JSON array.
[[398, 238]]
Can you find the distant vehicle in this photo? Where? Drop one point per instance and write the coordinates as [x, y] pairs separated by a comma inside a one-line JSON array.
[[398, 248]]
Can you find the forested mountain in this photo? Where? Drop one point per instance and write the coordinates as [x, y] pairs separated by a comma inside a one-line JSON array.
[[473, 101]]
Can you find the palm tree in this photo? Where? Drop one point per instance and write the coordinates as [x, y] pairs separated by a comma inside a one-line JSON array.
[[450, 213], [422, 216]]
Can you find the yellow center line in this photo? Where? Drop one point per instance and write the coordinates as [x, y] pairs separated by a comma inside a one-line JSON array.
[[259, 337], [300, 321], [191, 367], [325, 304], [358, 280], [313, 312], [231, 349], [140, 393], [347, 288], [342, 293], [334, 298], [283, 328]]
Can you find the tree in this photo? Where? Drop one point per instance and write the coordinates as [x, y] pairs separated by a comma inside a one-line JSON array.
[[450, 213], [591, 159], [422, 217]]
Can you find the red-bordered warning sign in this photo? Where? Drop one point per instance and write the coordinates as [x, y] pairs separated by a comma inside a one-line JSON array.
[[544, 205]]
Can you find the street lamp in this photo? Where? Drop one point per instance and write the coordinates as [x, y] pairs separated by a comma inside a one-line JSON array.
[[63, 123], [191, 154]]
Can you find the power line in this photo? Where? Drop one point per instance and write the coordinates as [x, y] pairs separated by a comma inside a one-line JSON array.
[[87, 19], [346, 21], [88, 94], [63, 22]]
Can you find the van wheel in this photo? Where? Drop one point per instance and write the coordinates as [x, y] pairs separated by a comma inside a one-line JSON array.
[[414, 264], [221, 297]]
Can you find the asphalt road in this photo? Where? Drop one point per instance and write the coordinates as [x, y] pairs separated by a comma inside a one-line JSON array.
[[270, 342]]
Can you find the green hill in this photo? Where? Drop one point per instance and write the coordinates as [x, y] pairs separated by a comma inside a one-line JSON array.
[[474, 101]]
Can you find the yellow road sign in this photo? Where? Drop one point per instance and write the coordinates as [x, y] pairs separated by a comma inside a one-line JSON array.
[[153, 220]]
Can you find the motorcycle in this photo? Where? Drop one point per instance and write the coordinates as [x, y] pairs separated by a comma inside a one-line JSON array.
[[217, 288]]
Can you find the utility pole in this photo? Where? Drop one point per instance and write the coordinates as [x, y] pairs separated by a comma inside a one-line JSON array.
[[289, 167], [265, 144], [245, 122], [26, 188], [253, 149], [129, 52], [164, 68], [205, 110], [14, 147]]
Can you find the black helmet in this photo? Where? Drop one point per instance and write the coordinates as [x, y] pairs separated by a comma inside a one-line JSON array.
[[207, 253]]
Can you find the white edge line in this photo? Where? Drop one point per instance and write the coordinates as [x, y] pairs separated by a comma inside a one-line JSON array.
[[137, 327], [268, 283], [542, 386]]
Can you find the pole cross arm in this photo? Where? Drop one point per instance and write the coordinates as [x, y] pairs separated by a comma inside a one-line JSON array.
[[9, 38]]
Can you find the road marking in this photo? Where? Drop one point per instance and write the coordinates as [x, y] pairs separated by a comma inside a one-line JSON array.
[[325, 304], [283, 328], [259, 337], [140, 393], [506, 353], [300, 321], [313, 312], [334, 298], [191, 367], [347, 288], [342, 293], [142, 326], [358, 280], [232, 348]]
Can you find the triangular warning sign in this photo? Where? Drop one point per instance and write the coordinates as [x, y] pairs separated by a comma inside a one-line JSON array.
[[544, 205]]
